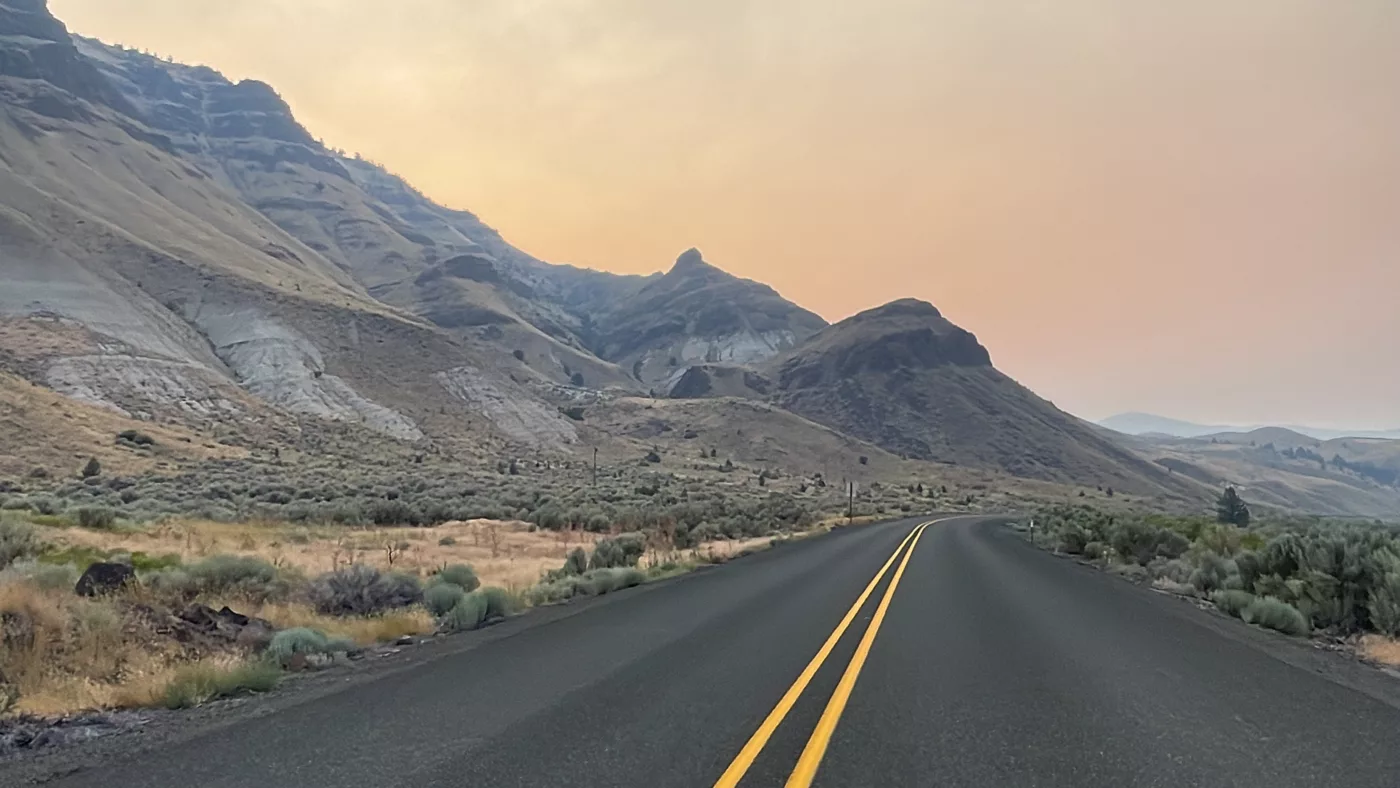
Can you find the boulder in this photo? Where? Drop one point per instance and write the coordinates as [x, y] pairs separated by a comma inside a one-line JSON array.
[[253, 634], [104, 578]]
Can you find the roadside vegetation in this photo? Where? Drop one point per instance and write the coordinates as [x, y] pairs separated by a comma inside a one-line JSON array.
[[1299, 576], [219, 582]]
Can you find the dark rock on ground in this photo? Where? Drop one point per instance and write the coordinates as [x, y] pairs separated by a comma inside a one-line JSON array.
[[34, 733], [104, 578]]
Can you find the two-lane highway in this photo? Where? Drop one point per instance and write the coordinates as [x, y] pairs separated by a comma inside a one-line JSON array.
[[897, 654]]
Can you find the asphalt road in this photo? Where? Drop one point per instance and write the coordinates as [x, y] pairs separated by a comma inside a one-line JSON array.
[[992, 664]]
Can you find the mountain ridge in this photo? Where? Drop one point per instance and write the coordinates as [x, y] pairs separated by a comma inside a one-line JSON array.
[[191, 254]]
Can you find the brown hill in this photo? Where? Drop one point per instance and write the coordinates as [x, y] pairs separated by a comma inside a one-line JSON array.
[[905, 378]]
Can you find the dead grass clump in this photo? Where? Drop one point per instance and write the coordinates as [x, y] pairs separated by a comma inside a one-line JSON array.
[[364, 631], [1381, 649]]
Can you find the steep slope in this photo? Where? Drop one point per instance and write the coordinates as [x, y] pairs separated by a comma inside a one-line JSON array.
[[698, 314], [137, 278], [903, 377], [443, 265]]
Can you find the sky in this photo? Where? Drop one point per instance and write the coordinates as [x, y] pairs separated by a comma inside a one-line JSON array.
[[1190, 207]]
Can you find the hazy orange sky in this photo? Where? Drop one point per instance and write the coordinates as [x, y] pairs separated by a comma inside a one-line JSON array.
[[1188, 207]]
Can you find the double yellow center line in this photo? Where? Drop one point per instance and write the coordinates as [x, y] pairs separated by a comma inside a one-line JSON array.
[[816, 746]]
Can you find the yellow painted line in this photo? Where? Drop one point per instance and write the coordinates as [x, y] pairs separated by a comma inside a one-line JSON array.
[[746, 756], [815, 750]]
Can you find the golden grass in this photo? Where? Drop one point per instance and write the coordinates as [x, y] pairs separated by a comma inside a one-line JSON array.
[[65, 653], [42, 428], [364, 631], [505, 554], [1381, 649]]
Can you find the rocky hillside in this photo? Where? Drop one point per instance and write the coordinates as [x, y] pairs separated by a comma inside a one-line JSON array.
[[698, 314], [178, 249], [905, 378], [142, 275]]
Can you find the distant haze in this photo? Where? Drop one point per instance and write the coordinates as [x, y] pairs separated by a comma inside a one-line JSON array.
[[1184, 207], [1148, 424]]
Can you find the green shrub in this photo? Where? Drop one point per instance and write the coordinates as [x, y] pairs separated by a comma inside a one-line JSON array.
[[1383, 599], [288, 643], [92, 468], [47, 577], [1212, 572], [459, 575], [394, 512], [172, 584], [236, 574], [201, 683], [468, 614], [440, 598], [97, 518], [18, 540], [1231, 601], [498, 602], [1277, 615], [621, 551], [576, 563], [361, 590]]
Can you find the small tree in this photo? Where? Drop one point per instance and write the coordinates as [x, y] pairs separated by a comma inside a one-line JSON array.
[[93, 468], [1232, 509]]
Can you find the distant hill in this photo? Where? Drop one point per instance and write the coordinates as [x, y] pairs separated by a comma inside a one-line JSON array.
[[1149, 424], [699, 314], [1287, 469], [905, 378]]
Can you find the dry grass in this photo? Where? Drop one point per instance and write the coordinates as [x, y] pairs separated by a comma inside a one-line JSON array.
[[65, 653], [1381, 649], [505, 554], [42, 428], [364, 631]]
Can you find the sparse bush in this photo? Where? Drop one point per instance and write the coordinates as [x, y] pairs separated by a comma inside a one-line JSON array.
[[1212, 573], [172, 584], [442, 597], [46, 577], [624, 550], [361, 590], [18, 540], [1232, 601], [460, 575], [243, 575], [97, 518], [202, 682], [135, 438], [1277, 615], [288, 643], [447, 541]]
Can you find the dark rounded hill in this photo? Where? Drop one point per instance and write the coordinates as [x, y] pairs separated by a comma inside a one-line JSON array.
[[904, 334], [905, 378]]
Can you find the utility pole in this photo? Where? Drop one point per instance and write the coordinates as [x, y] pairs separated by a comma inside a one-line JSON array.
[[851, 502], [595, 466]]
